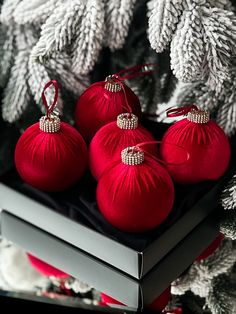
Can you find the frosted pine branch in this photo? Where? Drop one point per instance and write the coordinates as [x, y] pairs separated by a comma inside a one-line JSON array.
[[36, 11], [90, 35], [222, 4], [187, 52], [25, 37], [200, 276], [219, 37], [199, 94], [228, 197], [226, 115], [228, 224], [163, 19], [221, 103], [61, 67], [6, 51], [189, 93], [7, 11], [59, 29], [150, 6], [203, 38], [183, 284], [118, 17], [222, 296], [16, 94], [220, 261]]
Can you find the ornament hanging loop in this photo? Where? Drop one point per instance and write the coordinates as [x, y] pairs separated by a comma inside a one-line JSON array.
[[50, 108], [114, 83], [180, 111], [50, 123], [193, 113], [140, 148], [137, 70]]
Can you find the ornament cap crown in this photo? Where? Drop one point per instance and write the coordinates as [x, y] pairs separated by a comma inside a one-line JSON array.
[[199, 116], [127, 121], [132, 156], [111, 85], [49, 125]]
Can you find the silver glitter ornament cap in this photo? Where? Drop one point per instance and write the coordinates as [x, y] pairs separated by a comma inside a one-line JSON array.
[[198, 116], [127, 121], [111, 85], [49, 125], [132, 156]]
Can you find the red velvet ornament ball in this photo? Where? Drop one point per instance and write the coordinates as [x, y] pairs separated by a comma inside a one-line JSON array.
[[137, 194], [46, 269], [112, 138], [51, 155], [156, 306], [101, 103], [202, 139], [211, 248]]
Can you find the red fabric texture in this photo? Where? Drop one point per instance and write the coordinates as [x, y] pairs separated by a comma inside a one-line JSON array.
[[207, 145], [108, 143], [46, 269], [51, 161], [211, 248], [135, 198], [98, 106], [157, 305]]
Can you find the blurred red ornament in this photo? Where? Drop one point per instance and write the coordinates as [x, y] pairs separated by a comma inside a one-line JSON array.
[[51, 155], [46, 269], [203, 139], [211, 248], [112, 138], [106, 299], [135, 194], [156, 306]]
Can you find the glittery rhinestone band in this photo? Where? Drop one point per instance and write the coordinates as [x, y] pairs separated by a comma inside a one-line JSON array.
[[132, 156], [111, 85], [127, 121], [51, 125], [198, 116]]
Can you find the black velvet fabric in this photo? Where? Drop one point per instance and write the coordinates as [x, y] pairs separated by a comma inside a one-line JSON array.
[[79, 202]]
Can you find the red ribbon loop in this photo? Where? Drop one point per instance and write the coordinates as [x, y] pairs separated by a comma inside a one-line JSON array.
[[137, 70], [180, 111], [49, 109], [138, 146], [127, 106]]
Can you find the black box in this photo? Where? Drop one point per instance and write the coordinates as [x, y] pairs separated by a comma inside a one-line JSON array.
[[134, 293]]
